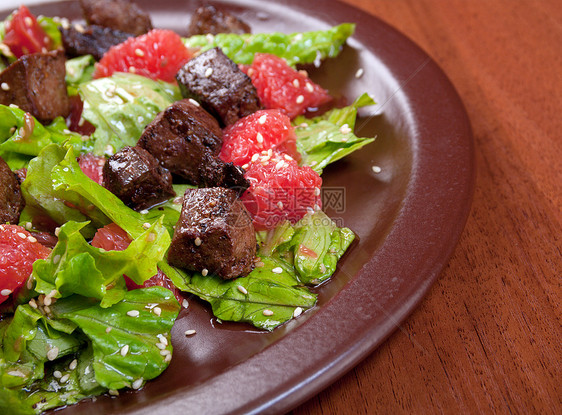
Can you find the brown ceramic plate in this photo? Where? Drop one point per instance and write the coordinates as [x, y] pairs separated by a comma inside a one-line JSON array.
[[408, 218]]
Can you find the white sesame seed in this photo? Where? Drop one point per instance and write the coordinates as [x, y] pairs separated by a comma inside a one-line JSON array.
[[210, 37], [376, 169], [132, 69], [280, 205], [279, 165], [124, 350], [185, 303], [344, 129], [262, 119], [309, 210], [108, 329], [73, 364], [300, 99], [56, 259], [17, 373], [133, 313], [178, 200], [47, 309], [53, 353], [296, 83], [137, 383], [47, 301], [297, 312], [260, 264], [316, 191], [143, 212], [65, 378], [79, 28], [277, 270], [259, 138], [113, 392], [309, 87], [13, 106], [146, 225], [139, 52], [57, 374], [32, 303], [255, 157], [316, 208], [204, 272], [208, 72], [31, 239], [163, 339], [161, 346], [168, 358], [109, 150], [165, 352], [267, 312], [5, 86], [197, 241], [322, 268], [242, 289], [245, 166], [28, 225], [5, 292], [57, 231], [269, 152], [28, 21], [359, 73], [190, 332], [157, 311], [22, 235], [194, 102]]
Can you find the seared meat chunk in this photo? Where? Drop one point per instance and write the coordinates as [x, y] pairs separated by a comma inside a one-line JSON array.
[[219, 85], [11, 199], [136, 177], [214, 234], [35, 83], [93, 40], [116, 14], [207, 19], [186, 140]]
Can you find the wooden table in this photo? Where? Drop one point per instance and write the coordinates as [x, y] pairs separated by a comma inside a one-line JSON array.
[[487, 338]]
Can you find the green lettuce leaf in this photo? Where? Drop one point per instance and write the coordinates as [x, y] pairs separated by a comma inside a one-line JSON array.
[[313, 246], [111, 329], [327, 138], [76, 267], [245, 299], [23, 137], [305, 47], [51, 28], [121, 106], [78, 71]]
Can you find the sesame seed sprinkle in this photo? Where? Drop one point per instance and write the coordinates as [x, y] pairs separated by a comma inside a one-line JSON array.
[[161, 346], [47, 301], [65, 378], [17, 373], [32, 303], [297, 312], [137, 383], [22, 235], [204, 272], [57, 231], [255, 157], [139, 52], [296, 83], [47, 309], [143, 212], [113, 392], [53, 353], [157, 311], [132, 69], [146, 225], [280, 205], [300, 99], [208, 72], [73, 364], [242, 290], [168, 358], [359, 73], [185, 303], [267, 312], [245, 166], [165, 352], [277, 270], [279, 165], [31, 239], [124, 350], [376, 169], [79, 28], [344, 129], [259, 138], [262, 119], [57, 374], [5, 292], [5, 86], [260, 264], [190, 332], [28, 21], [309, 87], [194, 102], [133, 313], [316, 191]]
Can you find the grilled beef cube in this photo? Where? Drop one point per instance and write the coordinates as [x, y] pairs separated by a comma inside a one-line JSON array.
[[208, 20], [93, 40], [219, 85], [11, 199], [214, 172], [116, 14], [35, 83], [214, 234], [136, 177], [180, 137]]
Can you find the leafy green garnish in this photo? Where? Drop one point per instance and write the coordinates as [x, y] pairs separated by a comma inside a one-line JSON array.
[[78, 71], [23, 137], [327, 138], [121, 106], [264, 298], [305, 47], [51, 28]]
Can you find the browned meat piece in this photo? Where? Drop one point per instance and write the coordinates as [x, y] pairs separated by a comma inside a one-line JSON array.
[[116, 14], [135, 177], [35, 83], [186, 140], [214, 234], [207, 19], [219, 85], [93, 40], [11, 199]]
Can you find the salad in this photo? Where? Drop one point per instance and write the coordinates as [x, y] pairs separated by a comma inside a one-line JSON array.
[[138, 166]]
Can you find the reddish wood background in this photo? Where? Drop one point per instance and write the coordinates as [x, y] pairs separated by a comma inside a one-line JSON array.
[[487, 338]]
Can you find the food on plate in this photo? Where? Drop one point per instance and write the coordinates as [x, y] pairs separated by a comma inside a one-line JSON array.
[[138, 166]]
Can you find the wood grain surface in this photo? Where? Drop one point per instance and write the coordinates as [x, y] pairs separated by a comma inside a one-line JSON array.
[[487, 338]]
